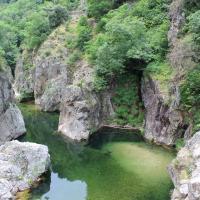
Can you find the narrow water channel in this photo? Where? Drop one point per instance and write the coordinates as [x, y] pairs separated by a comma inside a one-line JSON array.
[[114, 166]]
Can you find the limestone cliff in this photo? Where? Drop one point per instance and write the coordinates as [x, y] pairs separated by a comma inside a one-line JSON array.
[[57, 86], [164, 122], [11, 120], [163, 118]]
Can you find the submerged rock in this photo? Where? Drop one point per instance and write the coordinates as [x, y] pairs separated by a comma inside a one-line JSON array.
[[185, 171], [11, 120], [20, 166]]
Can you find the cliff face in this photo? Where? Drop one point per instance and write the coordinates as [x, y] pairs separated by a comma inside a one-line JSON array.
[[11, 120], [24, 78], [162, 119], [59, 87]]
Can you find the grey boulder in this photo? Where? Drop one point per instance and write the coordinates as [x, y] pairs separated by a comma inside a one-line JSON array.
[[20, 166]]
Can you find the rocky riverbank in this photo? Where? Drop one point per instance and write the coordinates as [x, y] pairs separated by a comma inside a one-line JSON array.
[[20, 166], [185, 171], [11, 120]]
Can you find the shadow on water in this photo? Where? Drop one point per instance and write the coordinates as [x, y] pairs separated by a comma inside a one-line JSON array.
[[108, 134], [114, 166]]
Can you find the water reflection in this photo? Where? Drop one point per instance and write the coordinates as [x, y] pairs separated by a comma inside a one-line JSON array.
[[110, 168], [63, 189]]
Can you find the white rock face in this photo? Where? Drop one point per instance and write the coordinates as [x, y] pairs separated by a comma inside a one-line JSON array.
[[185, 171], [20, 165], [79, 113], [11, 120]]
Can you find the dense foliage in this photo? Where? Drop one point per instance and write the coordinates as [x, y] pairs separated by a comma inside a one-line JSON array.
[[25, 24], [129, 34], [128, 106], [190, 93]]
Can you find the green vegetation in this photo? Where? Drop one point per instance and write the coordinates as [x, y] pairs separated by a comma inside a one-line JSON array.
[[129, 34], [194, 26], [98, 8], [84, 33], [190, 90], [180, 143], [25, 24], [128, 106], [163, 73], [190, 96]]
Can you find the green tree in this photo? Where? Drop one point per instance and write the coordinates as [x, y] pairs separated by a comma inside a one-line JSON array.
[[36, 30], [57, 16]]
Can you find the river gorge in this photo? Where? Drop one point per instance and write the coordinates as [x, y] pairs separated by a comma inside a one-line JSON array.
[[114, 165]]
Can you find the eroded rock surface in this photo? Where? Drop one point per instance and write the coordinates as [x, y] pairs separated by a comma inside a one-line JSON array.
[[24, 77], [162, 118], [177, 16], [185, 171], [20, 166], [11, 120], [51, 74], [83, 112], [68, 89]]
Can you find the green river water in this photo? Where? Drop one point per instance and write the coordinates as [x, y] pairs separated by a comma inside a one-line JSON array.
[[114, 166]]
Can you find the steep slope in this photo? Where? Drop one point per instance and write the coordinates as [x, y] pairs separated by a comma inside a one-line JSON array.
[[11, 120]]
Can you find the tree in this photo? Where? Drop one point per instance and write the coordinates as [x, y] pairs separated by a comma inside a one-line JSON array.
[[36, 30], [57, 16]]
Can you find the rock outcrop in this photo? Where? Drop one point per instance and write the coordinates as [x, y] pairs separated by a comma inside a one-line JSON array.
[[24, 77], [20, 166], [185, 171], [57, 86], [51, 71], [163, 118], [11, 120], [177, 17], [83, 112], [164, 122]]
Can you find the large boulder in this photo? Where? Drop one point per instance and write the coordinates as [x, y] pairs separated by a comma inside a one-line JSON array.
[[185, 171], [11, 120], [20, 166], [79, 113], [83, 110]]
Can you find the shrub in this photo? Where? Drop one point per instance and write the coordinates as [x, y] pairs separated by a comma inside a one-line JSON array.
[[190, 90], [190, 96], [84, 31], [37, 29], [98, 8], [194, 25], [126, 101], [130, 34], [57, 16]]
